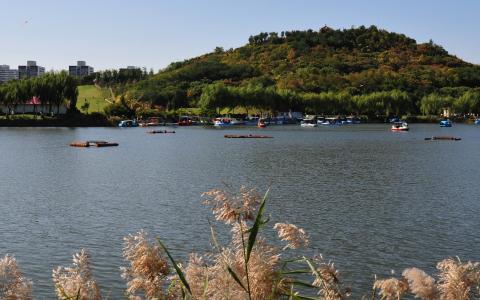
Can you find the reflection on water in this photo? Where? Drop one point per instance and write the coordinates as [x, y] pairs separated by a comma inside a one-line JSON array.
[[371, 200]]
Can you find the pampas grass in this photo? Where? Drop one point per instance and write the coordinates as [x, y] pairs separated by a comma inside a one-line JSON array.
[[76, 282], [147, 269], [13, 286], [249, 266]]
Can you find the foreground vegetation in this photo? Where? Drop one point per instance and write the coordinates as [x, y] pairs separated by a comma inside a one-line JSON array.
[[249, 267]]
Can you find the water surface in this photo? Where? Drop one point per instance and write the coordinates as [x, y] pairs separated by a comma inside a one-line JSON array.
[[371, 200]]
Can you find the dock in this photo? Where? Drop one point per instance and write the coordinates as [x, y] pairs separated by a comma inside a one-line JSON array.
[[443, 138], [160, 131], [247, 136], [86, 144]]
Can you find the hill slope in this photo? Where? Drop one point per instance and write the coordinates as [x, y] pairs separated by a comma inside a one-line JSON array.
[[357, 61]]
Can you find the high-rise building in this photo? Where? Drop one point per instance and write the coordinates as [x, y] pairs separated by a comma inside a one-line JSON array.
[[30, 70], [80, 70], [7, 74]]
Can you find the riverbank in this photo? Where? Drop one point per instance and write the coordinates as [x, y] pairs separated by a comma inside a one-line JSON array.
[[101, 120], [72, 120]]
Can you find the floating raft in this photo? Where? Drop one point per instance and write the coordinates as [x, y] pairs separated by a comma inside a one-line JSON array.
[[93, 144], [247, 136], [443, 138], [160, 131]]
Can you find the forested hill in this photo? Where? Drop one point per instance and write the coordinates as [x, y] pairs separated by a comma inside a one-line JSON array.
[[352, 62]]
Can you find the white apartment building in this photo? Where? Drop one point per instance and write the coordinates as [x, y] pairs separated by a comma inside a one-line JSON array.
[[7, 74]]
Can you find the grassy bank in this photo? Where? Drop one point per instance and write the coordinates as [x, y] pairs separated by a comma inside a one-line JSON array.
[[96, 97]]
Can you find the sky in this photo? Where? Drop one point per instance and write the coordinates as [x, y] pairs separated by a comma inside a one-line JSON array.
[[153, 33]]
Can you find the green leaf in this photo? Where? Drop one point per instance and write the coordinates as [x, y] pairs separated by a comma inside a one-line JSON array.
[[177, 269], [312, 267], [235, 277], [252, 237], [205, 286], [302, 283], [214, 238]]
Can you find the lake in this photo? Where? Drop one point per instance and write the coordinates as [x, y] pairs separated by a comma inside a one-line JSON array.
[[372, 200]]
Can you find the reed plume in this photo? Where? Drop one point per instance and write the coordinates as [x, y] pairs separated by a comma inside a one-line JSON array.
[[230, 208], [294, 236], [147, 270], [421, 284], [327, 280], [392, 288], [458, 280], [13, 286], [76, 282]]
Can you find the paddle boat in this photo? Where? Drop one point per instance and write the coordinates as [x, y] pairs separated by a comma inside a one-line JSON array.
[[261, 123], [400, 126], [234, 121], [477, 122], [309, 121], [333, 121], [352, 120], [222, 122], [446, 123], [185, 121], [128, 123], [152, 121]]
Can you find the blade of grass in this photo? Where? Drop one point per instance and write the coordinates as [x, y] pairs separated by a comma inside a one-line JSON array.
[[175, 266], [235, 277], [252, 237], [214, 238], [304, 284]]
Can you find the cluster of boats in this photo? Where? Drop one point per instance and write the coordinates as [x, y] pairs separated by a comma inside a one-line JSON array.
[[308, 121], [217, 122], [315, 121], [252, 121], [403, 126]]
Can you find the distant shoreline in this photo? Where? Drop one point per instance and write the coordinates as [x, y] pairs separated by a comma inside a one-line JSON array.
[[96, 120]]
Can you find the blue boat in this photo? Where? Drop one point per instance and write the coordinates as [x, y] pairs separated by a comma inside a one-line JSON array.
[[477, 122], [445, 123], [128, 123]]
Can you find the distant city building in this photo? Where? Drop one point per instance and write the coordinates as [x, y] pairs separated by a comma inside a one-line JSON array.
[[80, 70], [30, 70], [7, 74], [128, 68]]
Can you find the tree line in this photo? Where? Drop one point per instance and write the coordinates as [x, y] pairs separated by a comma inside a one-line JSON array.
[[379, 103], [52, 89]]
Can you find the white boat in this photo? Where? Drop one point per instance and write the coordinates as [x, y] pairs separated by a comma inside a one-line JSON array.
[[400, 126], [222, 122], [309, 121], [234, 121]]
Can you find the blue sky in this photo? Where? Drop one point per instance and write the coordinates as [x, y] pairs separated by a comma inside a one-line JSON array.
[[153, 33]]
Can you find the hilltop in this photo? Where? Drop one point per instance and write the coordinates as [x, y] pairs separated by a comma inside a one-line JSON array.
[[312, 70]]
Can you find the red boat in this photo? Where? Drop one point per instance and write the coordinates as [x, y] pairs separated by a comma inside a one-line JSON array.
[[185, 121]]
